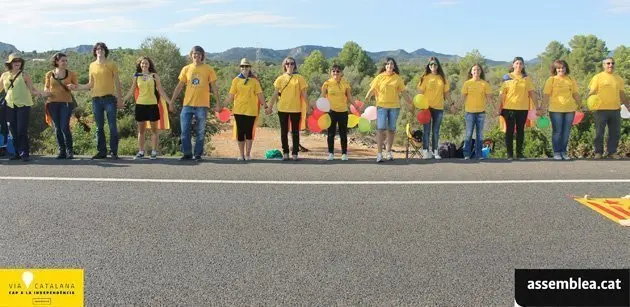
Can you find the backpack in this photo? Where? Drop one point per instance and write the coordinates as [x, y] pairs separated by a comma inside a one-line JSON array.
[[460, 151], [273, 154], [418, 135], [447, 150]]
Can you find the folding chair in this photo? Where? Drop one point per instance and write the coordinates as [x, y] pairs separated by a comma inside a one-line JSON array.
[[414, 141]]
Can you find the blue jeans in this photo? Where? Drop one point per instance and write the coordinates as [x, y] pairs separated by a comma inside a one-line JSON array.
[[561, 123], [436, 121], [200, 113], [474, 121], [60, 113], [386, 118], [99, 106], [17, 120]]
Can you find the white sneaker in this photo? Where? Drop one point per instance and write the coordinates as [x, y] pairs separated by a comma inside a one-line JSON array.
[[294, 157], [239, 158], [344, 157], [379, 157], [331, 157], [248, 158], [436, 155], [557, 156], [426, 154], [390, 157], [565, 156], [285, 156]]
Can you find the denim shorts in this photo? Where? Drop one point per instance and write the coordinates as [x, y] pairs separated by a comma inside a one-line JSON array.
[[386, 118]]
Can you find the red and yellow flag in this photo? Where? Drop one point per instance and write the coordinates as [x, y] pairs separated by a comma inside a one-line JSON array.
[[616, 209]]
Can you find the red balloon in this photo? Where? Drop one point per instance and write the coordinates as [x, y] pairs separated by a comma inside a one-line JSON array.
[[354, 111], [313, 125], [424, 116], [224, 115], [317, 113], [358, 103], [579, 116]]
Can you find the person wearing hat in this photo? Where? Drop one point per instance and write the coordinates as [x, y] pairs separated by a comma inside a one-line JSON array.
[[247, 95], [16, 105]]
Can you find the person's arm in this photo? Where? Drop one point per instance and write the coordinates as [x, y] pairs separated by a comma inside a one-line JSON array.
[[29, 84], [177, 91], [272, 101], [47, 86], [120, 103], [215, 92], [131, 89], [83, 87], [2, 83], [305, 97], [624, 99], [160, 89]]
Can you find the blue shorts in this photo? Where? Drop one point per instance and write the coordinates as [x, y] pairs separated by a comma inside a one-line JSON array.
[[386, 118]]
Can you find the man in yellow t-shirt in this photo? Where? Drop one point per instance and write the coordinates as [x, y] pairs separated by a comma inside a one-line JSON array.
[[197, 77], [609, 87]]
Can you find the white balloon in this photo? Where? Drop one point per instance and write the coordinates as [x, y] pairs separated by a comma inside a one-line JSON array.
[[369, 113], [323, 104], [624, 112]]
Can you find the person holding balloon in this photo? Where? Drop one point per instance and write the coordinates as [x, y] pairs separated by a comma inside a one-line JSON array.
[[388, 86], [562, 98], [337, 91], [434, 86], [247, 95], [606, 90], [476, 92], [290, 92], [517, 90]]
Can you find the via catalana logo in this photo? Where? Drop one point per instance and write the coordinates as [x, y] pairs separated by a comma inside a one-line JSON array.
[[41, 287]]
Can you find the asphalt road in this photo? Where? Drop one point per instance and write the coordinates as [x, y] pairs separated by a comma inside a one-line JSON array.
[[238, 243]]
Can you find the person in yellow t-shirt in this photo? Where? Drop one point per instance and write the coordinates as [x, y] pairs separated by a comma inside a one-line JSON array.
[[476, 93], [247, 94], [517, 90], [388, 86], [106, 98], [338, 92], [609, 87], [561, 96], [198, 78], [149, 90], [290, 92], [435, 87], [60, 102]]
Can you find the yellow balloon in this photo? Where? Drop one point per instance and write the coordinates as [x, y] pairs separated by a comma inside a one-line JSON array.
[[324, 121], [593, 102], [420, 102], [353, 120]]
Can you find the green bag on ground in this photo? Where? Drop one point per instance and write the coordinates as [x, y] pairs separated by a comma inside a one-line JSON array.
[[273, 154]]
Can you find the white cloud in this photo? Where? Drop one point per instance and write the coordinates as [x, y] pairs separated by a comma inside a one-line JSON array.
[[619, 6], [240, 18]]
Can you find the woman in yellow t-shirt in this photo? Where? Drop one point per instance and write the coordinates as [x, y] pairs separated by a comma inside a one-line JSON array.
[[146, 84], [290, 92], [60, 102], [562, 98], [477, 93], [388, 86], [517, 90], [337, 90], [434, 86], [247, 95]]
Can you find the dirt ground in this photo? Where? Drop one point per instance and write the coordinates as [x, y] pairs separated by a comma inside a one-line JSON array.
[[268, 138]]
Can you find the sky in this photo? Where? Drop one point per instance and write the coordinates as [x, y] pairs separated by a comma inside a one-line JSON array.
[[499, 29]]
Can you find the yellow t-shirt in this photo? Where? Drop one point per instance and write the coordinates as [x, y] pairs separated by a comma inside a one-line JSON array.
[[561, 91], [146, 90], [476, 95], [434, 89], [60, 94], [245, 96], [387, 89], [607, 87], [197, 79], [103, 76], [516, 91], [290, 87], [336, 94]]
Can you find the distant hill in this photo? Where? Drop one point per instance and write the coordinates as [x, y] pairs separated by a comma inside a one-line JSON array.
[[7, 48], [79, 49]]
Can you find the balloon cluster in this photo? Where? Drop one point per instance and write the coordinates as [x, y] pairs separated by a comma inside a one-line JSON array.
[[424, 115], [319, 120]]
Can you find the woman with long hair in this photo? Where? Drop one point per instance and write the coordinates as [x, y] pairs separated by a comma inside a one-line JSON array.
[[388, 86], [247, 94], [146, 84], [60, 103], [434, 86], [562, 98], [517, 90], [290, 92], [476, 92]]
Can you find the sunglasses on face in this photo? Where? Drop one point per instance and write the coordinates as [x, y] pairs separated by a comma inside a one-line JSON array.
[[610, 63], [336, 71], [432, 64], [245, 66], [289, 63]]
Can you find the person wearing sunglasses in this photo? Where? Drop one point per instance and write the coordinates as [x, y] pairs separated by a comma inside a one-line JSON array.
[[562, 98], [337, 90], [290, 92], [609, 87], [434, 86], [388, 86], [517, 90], [247, 95]]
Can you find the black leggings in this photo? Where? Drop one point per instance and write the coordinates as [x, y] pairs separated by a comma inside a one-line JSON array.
[[244, 127], [340, 118], [518, 118], [295, 131]]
